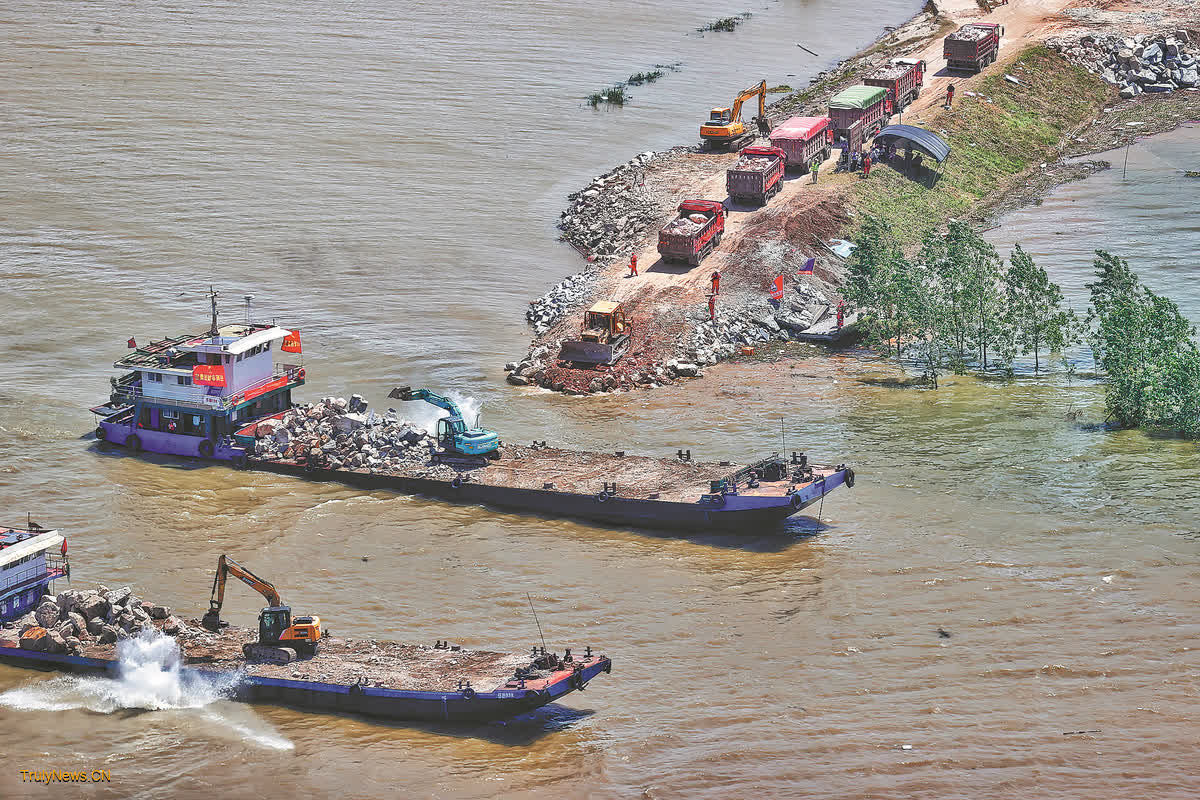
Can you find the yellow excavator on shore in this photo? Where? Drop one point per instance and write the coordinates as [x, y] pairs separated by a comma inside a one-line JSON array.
[[724, 128], [281, 639]]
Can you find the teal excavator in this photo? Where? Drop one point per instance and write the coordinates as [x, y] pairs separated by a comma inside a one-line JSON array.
[[453, 435]]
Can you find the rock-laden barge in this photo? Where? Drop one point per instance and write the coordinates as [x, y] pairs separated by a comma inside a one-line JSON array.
[[369, 677], [666, 493]]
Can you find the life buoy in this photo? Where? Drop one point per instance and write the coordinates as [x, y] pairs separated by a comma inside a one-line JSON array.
[[468, 693], [300, 374], [172, 427], [101, 434], [205, 448], [602, 497], [849, 479], [133, 443], [456, 483]]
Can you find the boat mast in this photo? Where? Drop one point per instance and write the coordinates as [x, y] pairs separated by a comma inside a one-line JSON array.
[[212, 295]]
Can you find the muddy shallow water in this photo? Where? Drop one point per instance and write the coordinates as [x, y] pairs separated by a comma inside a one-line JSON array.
[[389, 185]]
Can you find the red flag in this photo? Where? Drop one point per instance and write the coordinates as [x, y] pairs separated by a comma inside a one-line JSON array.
[[208, 375], [64, 546], [777, 292], [132, 344], [291, 343]]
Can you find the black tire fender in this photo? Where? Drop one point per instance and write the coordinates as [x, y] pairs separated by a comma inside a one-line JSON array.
[[849, 479], [101, 434], [134, 443], [602, 497], [456, 482], [205, 448], [797, 501], [468, 693]]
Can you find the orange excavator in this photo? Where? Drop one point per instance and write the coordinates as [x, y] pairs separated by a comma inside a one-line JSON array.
[[724, 128], [281, 639]]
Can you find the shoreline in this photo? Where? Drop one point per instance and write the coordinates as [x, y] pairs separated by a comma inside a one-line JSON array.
[[620, 212]]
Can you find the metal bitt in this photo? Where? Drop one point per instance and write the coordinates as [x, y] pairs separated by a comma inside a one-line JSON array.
[[610, 488], [799, 458], [684, 455]]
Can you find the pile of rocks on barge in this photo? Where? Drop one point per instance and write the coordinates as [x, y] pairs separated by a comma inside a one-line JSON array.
[[74, 619], [337, 433]]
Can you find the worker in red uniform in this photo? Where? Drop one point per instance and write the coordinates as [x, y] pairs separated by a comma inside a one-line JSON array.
[[712, 307], [841, 318], [716, 283], [633, 266], [950, 95], [867, 165]]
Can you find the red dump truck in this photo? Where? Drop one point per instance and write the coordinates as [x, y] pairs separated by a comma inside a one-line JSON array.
[[803, 140], [692, 235], [758, 174], [972, 47], [903, 79], [867, 105]]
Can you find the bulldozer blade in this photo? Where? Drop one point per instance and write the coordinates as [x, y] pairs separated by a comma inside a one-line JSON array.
[[586, 352]]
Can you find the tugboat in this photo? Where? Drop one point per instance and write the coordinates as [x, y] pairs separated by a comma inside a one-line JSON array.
[[31, 558], [186, 395]]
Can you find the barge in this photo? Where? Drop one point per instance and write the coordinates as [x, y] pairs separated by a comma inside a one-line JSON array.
[[549, 678], [614, 488]]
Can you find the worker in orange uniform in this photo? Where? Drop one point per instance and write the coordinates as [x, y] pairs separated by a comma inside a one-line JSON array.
[[950, 95], [633, 266], [867, 165], [716, 283], [841, 315], [712, 307]]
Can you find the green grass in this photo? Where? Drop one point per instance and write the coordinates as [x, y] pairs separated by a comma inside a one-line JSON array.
[[726, 24], [613, 95], [991, 144], [638, 78]]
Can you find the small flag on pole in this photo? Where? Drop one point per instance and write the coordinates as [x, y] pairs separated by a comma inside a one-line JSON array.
[[777, 289], [132, 344], [807, 269]]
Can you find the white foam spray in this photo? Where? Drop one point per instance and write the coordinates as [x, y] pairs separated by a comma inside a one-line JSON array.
[[150, 676], [425, 415]]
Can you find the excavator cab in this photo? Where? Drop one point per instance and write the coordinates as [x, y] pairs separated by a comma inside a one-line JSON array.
[[273, 623], [719, 116]]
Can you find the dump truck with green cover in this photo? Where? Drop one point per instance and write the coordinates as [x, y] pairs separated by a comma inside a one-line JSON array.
[[868, 105]]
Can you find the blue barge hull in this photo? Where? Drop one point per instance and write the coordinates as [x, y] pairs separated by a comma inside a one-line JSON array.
[[452, 706], [745, 513]]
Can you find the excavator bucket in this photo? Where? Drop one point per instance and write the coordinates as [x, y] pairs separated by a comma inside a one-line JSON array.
[[587, 352]]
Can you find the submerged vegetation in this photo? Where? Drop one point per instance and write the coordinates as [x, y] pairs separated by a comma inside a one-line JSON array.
[[726, 24], [616, 94]]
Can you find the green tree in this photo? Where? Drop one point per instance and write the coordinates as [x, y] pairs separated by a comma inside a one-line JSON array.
[[877, 277], [1147, 350], [1035, 317], [968, 272]]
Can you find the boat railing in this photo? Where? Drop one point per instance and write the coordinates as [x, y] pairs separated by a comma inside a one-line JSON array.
[[130, 391], [53, 568]]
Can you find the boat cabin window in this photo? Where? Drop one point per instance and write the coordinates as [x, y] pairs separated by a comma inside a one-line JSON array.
[[154, 377], [184, 380]]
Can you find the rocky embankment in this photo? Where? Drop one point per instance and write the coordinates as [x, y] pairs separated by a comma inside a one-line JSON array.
[[1154, 63], [337, 433], [74, 619]]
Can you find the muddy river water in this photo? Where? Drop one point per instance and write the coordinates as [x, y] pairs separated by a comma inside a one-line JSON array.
[[388, 182]]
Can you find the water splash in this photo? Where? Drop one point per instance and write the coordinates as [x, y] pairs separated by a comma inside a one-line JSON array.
[[150, 677], [424, 415]]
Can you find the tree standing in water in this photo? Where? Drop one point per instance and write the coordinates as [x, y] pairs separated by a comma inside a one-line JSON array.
[[1035, 313]]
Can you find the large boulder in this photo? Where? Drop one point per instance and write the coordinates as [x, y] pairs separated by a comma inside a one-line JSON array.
[[34, 639], [66, 600], [92, 605], [77, 622], [107, 635], [348, 423], [119, 597], [96, 626], [46, 615], [172, 626], [55, 642], [159, 612]]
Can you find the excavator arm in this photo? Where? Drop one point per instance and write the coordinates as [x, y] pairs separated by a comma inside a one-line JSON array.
[[407, 393], [227, 566], [759, 91]]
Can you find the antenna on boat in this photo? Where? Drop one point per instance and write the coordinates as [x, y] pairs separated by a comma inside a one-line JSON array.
[[212, 295], [247, 298], [535, 619], [782, 435]]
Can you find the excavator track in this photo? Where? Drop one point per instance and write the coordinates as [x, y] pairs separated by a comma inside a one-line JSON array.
[[269, 654]]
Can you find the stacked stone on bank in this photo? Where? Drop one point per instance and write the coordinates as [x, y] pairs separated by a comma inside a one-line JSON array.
[[1161, 62], [65, 623]]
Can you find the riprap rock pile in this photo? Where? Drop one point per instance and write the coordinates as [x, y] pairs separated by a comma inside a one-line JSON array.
[[63, 624], [1143, 63]]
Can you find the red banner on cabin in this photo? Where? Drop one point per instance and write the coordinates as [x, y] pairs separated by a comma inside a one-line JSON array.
[[777, 290], [291, 343], [208, 375], [278, 383]]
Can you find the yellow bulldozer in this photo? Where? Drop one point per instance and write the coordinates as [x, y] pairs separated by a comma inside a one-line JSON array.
[[604, 337], [724, 128]]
